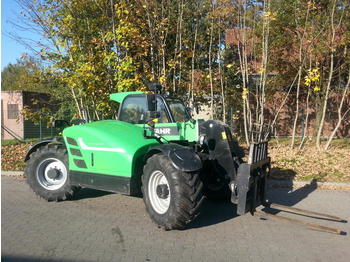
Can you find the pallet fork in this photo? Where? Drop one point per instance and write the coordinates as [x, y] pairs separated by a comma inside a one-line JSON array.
[[299, 211], [249, 192]]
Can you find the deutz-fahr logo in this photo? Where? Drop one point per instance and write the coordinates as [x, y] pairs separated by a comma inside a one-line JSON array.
[[167, 131]]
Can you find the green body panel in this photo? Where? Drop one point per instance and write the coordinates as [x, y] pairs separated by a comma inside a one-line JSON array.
[[117, 148], [119, 97], [188, 131], [108, 147]]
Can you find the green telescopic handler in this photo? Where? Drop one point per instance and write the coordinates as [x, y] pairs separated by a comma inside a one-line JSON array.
[[153, 148]]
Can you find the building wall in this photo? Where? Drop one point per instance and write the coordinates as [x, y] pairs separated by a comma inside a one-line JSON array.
[[286, 116], [9, 118]]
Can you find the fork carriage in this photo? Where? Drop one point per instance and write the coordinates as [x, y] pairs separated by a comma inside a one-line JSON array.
[[249, 189], [251, 186]]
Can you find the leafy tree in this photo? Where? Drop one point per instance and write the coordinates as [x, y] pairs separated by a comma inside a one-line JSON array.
[[96, 47], [24, 75]]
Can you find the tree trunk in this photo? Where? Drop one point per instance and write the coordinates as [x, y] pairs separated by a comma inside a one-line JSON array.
[[244, 72], [263, 74], [180, 42], [76, 102], [151, 32], [164, 37], [340, 115], [301, 64], [296, 108], [324, 109], [306, 122], [221, 81], [175, 52], [192, 64], [210, 71]]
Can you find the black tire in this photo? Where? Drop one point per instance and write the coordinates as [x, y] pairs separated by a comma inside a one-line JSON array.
[[216, 186], [185, 193], [34, 167], [221, 194]]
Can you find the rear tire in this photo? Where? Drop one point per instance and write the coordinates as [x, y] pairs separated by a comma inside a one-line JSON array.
[[48, 173], [172, 197]]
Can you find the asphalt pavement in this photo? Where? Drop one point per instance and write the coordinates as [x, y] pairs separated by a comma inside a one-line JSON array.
[[99, 226]]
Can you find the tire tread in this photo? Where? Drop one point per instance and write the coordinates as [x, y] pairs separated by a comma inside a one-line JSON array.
[[188, 194], [56, 195]]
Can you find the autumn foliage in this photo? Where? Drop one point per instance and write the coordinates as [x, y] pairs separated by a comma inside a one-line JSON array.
[[231, 56]]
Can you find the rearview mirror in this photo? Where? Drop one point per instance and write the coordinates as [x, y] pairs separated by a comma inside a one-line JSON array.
[[76, 122], [60, 123], [152, 102], [155, 87]]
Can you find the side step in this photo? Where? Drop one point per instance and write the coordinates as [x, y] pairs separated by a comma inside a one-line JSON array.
[[299, 211]]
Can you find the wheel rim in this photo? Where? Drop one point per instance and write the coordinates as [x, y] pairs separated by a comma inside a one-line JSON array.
[[51, 174], [157, 180]]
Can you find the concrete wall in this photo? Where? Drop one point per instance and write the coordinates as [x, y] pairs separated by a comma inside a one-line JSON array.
[[16, 125]]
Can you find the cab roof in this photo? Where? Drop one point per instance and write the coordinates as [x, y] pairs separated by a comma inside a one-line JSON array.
[[119, 97]]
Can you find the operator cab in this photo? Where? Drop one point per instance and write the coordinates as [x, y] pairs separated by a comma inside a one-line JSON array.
[[135, 109]]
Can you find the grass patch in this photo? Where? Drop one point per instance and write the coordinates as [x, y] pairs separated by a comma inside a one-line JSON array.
[[17, 142], [341, 143], [10, 142], [310, 142]]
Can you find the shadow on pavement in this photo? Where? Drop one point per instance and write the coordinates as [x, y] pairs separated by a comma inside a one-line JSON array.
[[289, 197], [10, 258], [89, 193], [217, 212], [214, 212]]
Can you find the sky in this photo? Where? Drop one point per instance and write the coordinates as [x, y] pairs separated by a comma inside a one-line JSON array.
[[10, 49]]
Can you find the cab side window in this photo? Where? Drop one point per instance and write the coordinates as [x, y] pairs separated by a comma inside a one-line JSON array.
[[163, 118], [134, 110]]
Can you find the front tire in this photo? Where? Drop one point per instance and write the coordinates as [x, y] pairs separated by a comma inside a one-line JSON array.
[[172, 197], [222, 193], [216, 186], [47, 173]]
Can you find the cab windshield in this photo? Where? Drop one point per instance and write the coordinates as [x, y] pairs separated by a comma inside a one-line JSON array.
[[178, 110]]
